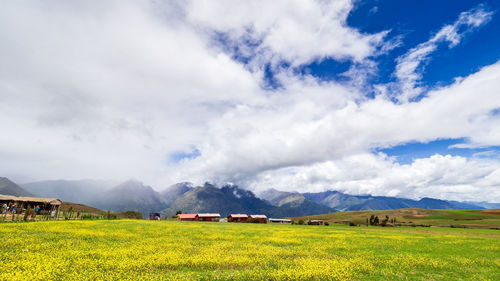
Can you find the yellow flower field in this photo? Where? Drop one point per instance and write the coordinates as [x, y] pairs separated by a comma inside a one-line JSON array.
[[166, 250]]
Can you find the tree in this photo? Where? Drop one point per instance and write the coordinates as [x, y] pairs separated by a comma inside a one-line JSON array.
[[375, 220], [372, 220], [178, 212], [384, 221]]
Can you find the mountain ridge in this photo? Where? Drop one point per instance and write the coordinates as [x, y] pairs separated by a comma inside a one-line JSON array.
[[8, 187]]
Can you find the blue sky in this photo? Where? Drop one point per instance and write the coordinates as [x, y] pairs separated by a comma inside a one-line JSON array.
[[397, 98], [413, 22]]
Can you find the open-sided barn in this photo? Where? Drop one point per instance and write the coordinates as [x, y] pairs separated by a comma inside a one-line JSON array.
[[19, 203]]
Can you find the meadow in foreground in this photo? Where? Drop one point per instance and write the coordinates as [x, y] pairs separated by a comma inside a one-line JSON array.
[[165, 250]]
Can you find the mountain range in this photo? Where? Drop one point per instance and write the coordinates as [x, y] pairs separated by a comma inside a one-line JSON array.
[[346, 202], [185, 197]]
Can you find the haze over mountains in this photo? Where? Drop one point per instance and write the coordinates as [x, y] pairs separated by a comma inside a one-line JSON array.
[[135, 195]]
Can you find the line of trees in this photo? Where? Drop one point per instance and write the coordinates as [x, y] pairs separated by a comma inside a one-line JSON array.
[[374, 220]]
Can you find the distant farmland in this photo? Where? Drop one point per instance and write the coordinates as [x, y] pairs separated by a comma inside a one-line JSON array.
[[418, 217], [169, 250]]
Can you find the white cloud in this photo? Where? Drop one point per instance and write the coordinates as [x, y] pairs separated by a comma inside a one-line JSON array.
[[296, 32], [410, 66], [445, 177]]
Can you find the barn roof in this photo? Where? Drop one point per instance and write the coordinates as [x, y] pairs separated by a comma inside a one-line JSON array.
[[281, 220], [186, 216], [258, 216], [209, 215], [52, 201], [238, 215]]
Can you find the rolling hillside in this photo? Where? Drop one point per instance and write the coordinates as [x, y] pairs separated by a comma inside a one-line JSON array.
[[487, 218]]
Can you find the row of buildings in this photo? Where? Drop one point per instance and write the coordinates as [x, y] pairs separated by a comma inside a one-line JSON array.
[[230, 218]]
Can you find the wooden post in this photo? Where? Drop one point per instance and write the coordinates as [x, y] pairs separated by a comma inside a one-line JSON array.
[[57, 210]]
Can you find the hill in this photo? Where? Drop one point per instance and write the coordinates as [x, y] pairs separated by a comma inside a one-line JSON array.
[[8, 187], [294, 200], [131, 195], [75, 207], [486, 218]]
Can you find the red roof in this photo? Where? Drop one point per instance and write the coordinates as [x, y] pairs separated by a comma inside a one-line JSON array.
[[238, 215], [258, 216], [186, 216]]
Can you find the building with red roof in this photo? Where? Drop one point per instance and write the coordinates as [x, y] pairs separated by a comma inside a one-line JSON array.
[[187, 217], [237, 218]]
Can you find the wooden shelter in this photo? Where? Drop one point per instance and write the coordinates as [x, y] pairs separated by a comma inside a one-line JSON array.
[[48, 206], [260, 218], [209, 217], [237, 218], [316, 222], [187, 217]]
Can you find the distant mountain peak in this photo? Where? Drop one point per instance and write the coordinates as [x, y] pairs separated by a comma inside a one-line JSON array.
[[8, 187]]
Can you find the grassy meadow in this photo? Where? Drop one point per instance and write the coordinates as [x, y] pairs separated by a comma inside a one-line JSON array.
[[488, 218], [166, 250]]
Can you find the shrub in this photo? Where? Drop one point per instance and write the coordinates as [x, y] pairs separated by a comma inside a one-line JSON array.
[[130, 215], [326, 223], [301, 222]]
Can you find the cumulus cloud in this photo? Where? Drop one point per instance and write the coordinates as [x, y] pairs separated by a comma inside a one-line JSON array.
[[295, 32], [117, 89], [445, 177]]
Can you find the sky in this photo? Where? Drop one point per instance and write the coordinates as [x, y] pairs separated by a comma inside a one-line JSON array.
[[394, 98]]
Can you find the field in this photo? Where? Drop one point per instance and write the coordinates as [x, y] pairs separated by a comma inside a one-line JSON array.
[[413, 216], [165, 250]]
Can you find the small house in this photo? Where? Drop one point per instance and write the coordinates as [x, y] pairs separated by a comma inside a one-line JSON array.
[[237, 218], [280, 220], [258, 218], [209, 217], [187, 217]]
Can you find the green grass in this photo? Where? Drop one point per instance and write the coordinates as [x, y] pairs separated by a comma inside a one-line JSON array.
[[167, 250], [466, 218]]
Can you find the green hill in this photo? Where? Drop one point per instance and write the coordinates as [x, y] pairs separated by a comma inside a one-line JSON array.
[[488, 218]]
